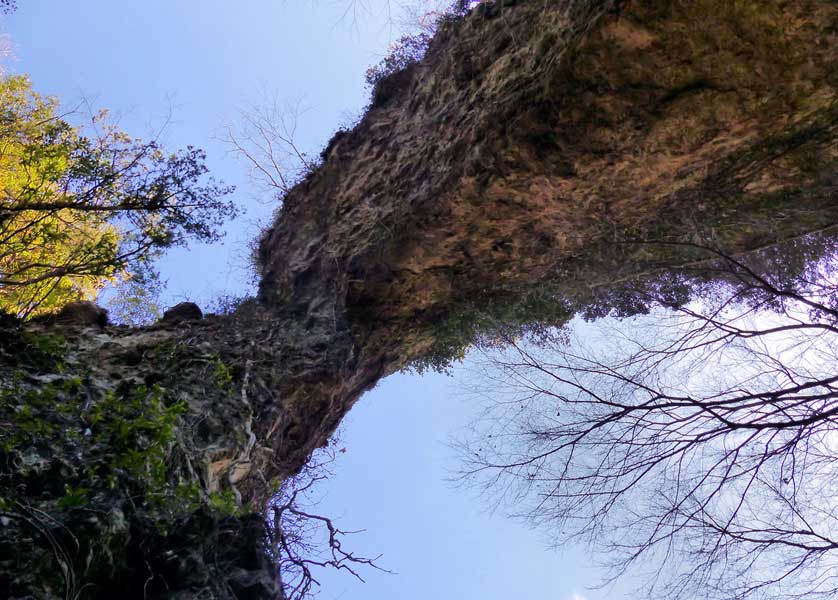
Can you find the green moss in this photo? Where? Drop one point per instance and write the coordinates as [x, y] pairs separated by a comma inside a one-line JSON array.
[[224, 503], [51, 345], [221, 375], [182, 498], [74, 497], [34, 415], [496, 318], [125, 438], [137, 427], [44, 351], [110, 446]]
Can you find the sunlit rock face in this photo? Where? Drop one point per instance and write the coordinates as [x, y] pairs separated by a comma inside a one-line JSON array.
[[534, 140], [533, 134]]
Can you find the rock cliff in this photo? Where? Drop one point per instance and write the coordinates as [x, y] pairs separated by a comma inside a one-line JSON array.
[[525, 156]]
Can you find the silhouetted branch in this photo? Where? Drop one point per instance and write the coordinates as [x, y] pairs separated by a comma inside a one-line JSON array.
[[304, 541], [700, 440]]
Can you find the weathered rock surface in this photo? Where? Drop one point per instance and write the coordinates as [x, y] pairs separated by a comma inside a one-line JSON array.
[[185, 311], [523, 141], [81, 313], [533, 141]]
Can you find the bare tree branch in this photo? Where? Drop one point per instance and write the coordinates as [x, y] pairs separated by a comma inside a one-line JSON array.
[[696, 446]]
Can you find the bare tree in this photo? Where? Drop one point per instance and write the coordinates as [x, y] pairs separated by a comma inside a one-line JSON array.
[[304, 542], [266, 138], [696, 446]]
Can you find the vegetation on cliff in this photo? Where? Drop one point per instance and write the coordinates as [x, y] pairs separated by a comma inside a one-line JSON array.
[[542, 160]]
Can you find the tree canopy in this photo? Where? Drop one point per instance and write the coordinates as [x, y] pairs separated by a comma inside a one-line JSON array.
[[82, 207]]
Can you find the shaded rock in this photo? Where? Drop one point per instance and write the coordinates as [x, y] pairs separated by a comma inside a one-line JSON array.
[[185, 311], [82, 313]]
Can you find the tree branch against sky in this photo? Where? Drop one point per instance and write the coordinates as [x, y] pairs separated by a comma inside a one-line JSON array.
[[86, 206], [303, 541], [266, 140], [697, 446]]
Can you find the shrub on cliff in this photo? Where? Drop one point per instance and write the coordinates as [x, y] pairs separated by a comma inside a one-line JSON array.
[[409, 49]]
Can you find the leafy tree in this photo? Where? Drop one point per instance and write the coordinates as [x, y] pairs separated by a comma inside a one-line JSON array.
[[698, 445], [84, 207], [136, 299]]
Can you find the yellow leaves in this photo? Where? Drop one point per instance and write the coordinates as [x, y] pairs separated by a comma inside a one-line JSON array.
[[49, 255], [81, 207], [53, 259]]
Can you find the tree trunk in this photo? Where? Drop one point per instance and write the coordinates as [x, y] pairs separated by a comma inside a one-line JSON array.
[[527, 150]]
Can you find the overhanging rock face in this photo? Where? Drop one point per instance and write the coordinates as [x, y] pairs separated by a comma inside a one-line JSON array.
[[534, 132], [531, 142]]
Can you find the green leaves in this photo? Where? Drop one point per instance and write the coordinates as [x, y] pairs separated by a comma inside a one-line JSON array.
[[82, 207]]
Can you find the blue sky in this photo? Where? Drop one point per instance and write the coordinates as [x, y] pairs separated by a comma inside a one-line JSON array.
[[440, 539], [205, 60]]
